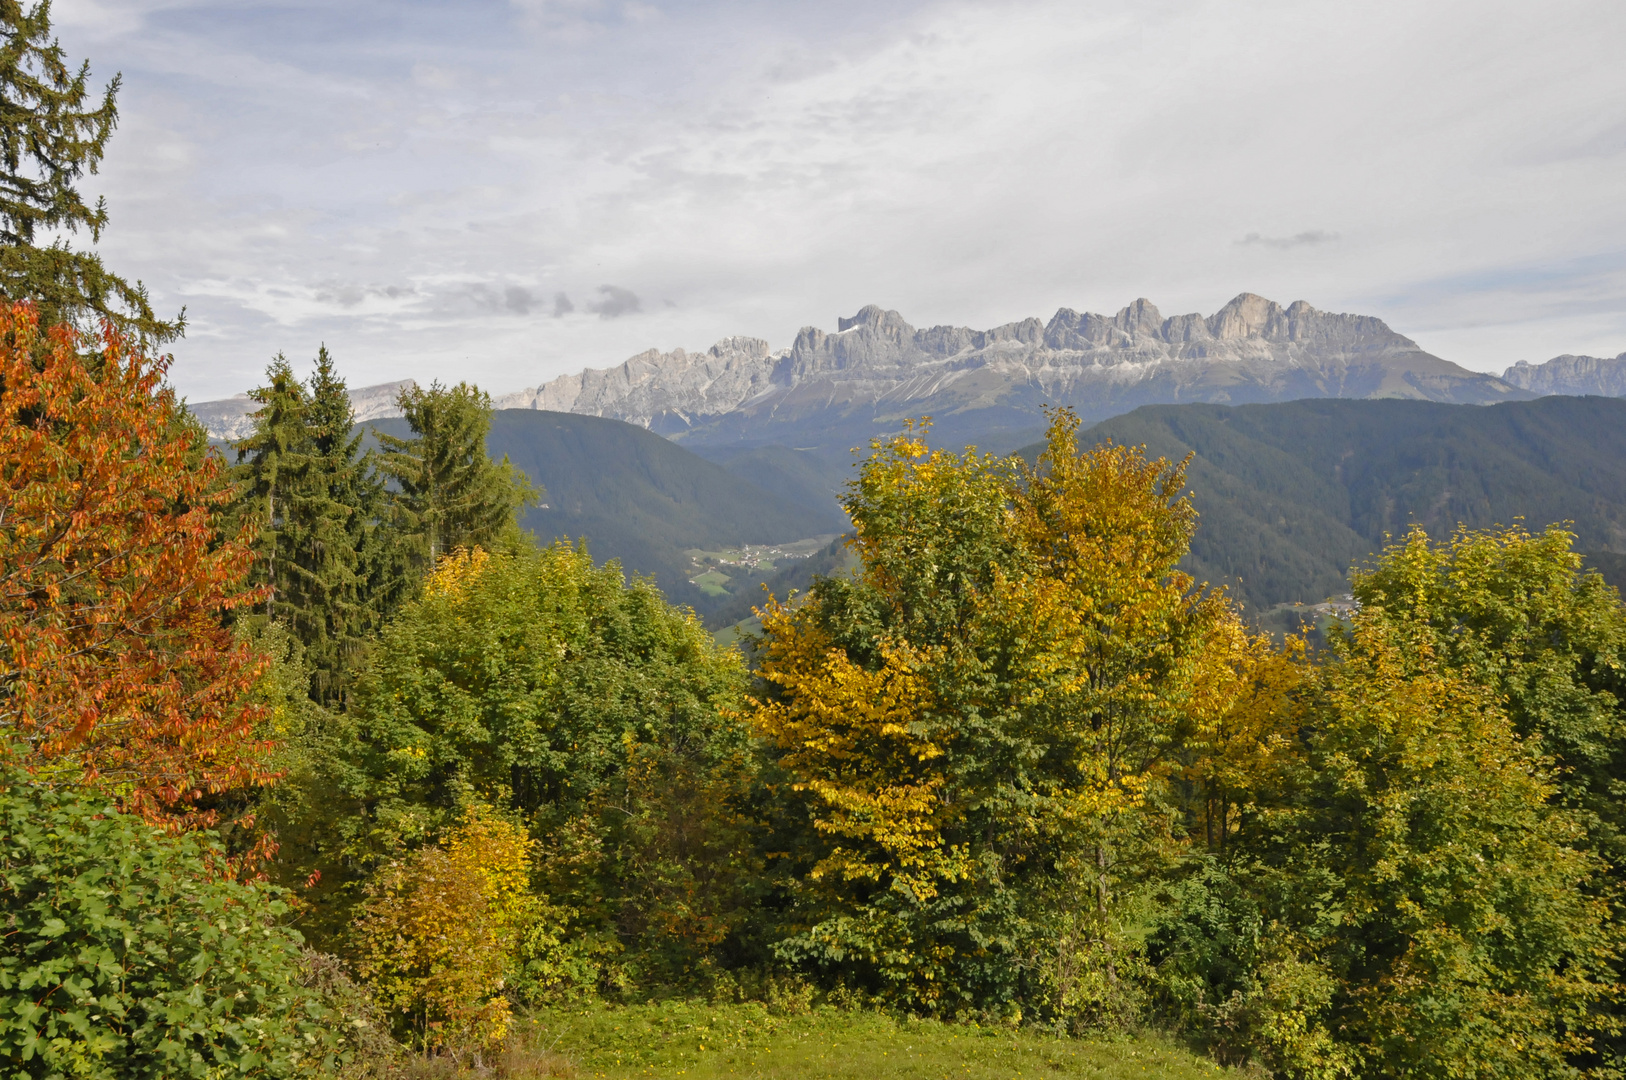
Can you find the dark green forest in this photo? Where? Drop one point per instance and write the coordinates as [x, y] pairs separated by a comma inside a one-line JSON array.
[[643, 500], [1292, 495]]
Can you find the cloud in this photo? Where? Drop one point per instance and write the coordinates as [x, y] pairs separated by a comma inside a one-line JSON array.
[[1304, 239], [616, 303], [517, 300], [767, 166], [349, 294], [571, 20]]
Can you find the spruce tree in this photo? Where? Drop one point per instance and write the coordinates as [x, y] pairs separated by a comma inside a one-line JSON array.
[[53, 131], [452, 494], [269, 462], [326, 595], [326, 551]]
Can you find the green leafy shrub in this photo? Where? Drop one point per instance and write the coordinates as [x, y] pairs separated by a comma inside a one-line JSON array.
[[125, 954], [580, 705], [1422, 865], [1239, 983]]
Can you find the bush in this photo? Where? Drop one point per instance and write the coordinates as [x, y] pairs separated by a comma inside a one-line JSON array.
[[586, 708], [358, 1024], [442, 928], [126, 955], [1237, 982]]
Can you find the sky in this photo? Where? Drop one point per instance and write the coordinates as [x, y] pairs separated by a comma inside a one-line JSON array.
[[503, 191]]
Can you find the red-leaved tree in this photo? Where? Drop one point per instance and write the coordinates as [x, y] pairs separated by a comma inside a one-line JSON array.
[[115, 666]]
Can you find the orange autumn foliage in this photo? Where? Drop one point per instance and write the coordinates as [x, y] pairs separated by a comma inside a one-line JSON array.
[[115, 666]]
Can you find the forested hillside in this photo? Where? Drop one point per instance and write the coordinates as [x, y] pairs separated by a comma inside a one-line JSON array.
[[1290, 495], [644, 500]]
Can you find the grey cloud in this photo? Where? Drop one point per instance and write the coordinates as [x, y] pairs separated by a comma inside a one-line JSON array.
[[616, 303], [348, 294], [345, 294], [562, 305], [1309, 238], [484, 297], [512, 299], [517, 300]]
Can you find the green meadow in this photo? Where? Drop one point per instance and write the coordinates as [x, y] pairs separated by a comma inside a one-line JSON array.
[[703, 1041]]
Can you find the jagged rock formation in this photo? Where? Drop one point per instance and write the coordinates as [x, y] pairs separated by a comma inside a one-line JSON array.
[[654, 383], [228, 418], [876, 369], [1569, 374]]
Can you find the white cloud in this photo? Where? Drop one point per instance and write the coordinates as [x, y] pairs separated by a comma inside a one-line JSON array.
[[1452, 167]]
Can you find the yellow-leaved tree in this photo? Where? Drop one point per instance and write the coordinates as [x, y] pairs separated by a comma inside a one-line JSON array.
[[982, 721], [440, 929]]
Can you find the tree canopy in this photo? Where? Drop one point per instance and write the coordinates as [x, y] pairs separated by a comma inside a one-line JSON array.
[[115, 666], [452, 495], [53, 131], [331, 566]]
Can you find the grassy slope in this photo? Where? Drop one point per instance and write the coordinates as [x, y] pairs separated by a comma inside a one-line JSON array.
[[695, 1040], [1292, 494]]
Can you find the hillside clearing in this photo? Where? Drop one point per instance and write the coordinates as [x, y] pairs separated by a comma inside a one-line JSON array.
[[700, 1041]]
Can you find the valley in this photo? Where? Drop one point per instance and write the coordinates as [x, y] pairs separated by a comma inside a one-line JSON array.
[[715, 572], [1290, 495]]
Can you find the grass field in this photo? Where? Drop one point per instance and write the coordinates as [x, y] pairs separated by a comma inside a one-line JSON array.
[[701, 1042]]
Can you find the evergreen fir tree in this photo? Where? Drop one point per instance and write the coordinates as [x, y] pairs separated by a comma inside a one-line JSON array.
[[326, 594], [452, 494], [269, 461], [51, 133], [326, 551]]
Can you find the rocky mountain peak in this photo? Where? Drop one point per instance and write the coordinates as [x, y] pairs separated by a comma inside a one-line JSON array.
[[870, 316], [1140, 318], [876, 367], [1252, 349], [1571, 374], [1249, 315]]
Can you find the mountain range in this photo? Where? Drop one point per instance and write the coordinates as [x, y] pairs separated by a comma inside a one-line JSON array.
[[834, 390], [716, 472], [1569, 374], [229, 418]]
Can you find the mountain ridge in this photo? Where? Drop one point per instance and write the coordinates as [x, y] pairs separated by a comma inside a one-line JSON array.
[[833, 390], [232, 418], [876, 369], [1572, 375]]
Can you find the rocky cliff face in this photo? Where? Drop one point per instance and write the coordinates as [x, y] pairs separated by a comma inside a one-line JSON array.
[[876, 369], [1568, 374], [229, 418], [655, 384]]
